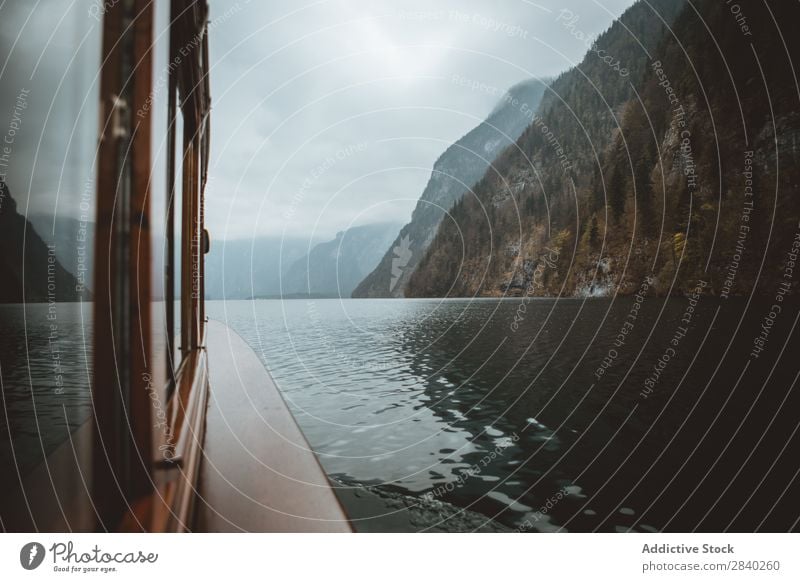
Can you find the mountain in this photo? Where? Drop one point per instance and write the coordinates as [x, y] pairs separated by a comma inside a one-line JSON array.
[[73, 240], [240, 269], [334, 268], [29, 269], [268, 267], [453, 175], [684, 170], [234, 281]]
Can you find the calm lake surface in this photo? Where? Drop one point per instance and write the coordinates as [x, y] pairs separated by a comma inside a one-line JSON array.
[[45, 369], [436, 405], [462, 415]]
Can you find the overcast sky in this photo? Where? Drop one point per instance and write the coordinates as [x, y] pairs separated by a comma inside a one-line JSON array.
[[326, 113], [331, 113], [49, 61]]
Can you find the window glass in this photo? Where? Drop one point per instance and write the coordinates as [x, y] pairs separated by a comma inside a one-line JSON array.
[[49, 87]]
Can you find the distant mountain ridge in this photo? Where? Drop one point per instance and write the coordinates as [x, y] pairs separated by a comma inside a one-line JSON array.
[[335, 267], [244, 268], [454, 174], [29, 269], [274, 267]]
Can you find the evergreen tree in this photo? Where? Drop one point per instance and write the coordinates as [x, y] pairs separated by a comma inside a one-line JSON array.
[[617, 192], [594, 232], [644, 195]]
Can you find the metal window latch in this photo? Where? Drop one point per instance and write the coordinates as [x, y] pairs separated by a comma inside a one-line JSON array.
[[168, 462], [119, 108]]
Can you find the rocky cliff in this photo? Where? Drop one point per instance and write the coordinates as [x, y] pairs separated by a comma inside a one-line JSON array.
[[454, 173], [683, 170]]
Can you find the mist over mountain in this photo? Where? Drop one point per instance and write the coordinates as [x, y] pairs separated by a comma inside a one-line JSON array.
[[684, 170], [335, 267], [236, 269], [453, 175], [274, 267], [30, 270], [67, 234], [239, 269]]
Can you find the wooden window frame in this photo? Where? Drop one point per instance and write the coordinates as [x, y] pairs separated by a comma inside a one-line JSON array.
[[139, 483]]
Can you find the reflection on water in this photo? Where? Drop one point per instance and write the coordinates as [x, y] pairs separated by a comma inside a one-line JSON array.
[[586, 415], [561, 421], [45, 368]]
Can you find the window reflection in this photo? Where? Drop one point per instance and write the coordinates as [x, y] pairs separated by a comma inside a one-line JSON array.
[[48, 130]]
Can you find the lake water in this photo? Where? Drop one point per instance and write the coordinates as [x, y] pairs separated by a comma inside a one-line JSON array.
[[454, 413], [45, 370], [540, 415]]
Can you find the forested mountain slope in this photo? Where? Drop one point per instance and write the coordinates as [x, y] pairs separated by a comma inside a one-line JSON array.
[[686, 169], [456, 170]]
